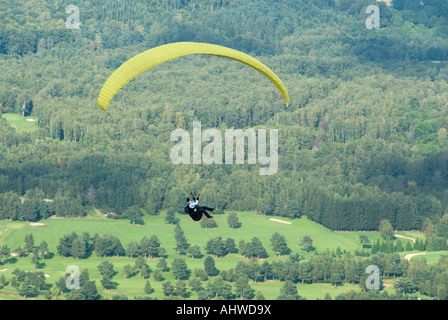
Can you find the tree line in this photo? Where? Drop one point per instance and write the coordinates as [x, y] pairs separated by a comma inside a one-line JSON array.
[[334, 267]]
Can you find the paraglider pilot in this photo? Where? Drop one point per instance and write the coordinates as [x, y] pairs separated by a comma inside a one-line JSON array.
[[194, 210]]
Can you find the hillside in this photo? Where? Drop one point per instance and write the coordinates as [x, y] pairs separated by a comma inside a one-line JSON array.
[[365, 130], [325, 242], [362, 146]]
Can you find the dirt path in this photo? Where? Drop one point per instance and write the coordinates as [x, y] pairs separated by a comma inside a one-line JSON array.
[[410, 255], [398, 236]]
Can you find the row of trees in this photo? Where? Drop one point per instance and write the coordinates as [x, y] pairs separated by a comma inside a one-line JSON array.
[[38, 252], [234, 283], [432, 243], [325, 267], [413, 277], [13, 207], [81, 246], [332, 209]]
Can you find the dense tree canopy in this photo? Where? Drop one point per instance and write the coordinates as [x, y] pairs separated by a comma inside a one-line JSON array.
[[363, 140]]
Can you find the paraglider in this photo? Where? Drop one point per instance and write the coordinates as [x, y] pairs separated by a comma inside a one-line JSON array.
[[194, 210], [155, 56]]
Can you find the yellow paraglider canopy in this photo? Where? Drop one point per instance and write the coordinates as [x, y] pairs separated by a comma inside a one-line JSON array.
[[152, 57]]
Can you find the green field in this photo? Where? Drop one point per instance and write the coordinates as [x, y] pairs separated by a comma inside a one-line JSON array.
[[21, 124], [431, 257], [253, 225]]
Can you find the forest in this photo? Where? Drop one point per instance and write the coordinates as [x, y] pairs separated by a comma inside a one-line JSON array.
[[364, 138]]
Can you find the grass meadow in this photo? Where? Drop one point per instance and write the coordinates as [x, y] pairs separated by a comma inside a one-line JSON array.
[[252, 225], [21, 124]]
